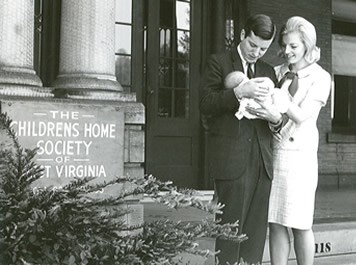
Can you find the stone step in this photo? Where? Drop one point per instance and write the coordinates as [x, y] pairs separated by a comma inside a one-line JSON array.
[[344, 259], [335, 245], [331, 239], [348, 259]]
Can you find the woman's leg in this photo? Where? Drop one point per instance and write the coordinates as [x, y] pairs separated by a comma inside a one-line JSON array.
[[304, 246], [279, 244]]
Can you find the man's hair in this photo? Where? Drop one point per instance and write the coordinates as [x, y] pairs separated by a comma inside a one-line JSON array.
[[261, 25]]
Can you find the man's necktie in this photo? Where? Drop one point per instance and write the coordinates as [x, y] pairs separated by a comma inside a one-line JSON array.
[[293, 87], [250, 73]]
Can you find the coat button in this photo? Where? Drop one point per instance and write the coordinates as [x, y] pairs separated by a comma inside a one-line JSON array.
[[249, 139], [291, 139]]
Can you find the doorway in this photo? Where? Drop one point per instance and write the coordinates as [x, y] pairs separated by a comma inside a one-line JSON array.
[[172, 91]]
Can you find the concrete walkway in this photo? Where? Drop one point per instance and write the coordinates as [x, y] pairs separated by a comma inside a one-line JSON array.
[[335, 211]]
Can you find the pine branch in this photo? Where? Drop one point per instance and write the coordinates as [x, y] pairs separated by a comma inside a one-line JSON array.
[[69, 226]]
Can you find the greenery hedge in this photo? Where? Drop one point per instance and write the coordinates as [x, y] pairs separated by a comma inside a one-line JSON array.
[[67, 226]]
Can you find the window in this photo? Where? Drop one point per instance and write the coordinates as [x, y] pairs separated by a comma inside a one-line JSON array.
[[174, 59], [123, 42], [344, 107], [344, 70], [129, 38]]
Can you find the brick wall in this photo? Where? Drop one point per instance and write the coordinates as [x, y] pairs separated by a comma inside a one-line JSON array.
[[134, 140]]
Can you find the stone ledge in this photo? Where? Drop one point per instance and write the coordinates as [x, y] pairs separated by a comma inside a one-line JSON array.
[[341, 138]]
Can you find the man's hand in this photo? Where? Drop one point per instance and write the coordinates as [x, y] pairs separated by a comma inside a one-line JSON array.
[[255, 88]]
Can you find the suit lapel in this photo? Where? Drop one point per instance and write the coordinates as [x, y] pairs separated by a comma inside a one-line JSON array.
[[236, 61], [257, 69]]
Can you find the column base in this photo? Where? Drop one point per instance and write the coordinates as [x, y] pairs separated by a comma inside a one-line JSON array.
[[22, 82], [93, 87], [95, 82], [94, 94], [25, 91], [19, 76]]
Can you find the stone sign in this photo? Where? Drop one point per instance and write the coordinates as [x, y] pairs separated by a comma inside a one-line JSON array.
[[73, 140]]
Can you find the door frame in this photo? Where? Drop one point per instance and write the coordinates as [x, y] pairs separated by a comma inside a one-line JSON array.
[[178, 126]]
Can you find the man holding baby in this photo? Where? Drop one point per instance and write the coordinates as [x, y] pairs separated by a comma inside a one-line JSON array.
[[240, 156]]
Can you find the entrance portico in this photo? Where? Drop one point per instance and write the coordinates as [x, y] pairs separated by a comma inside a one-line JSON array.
[[105, 125]]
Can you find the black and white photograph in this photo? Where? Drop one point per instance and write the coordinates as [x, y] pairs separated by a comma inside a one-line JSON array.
[[177, 132]]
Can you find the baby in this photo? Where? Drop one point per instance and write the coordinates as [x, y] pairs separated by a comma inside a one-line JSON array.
[[275, 96]]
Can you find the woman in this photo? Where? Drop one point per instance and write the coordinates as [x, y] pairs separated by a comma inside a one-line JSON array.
[[295, 146]]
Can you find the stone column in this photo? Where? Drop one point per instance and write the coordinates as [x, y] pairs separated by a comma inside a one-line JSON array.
[[17, 75], [87, 52]]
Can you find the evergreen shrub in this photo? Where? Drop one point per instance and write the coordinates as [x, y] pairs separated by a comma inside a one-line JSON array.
[[67, 226]]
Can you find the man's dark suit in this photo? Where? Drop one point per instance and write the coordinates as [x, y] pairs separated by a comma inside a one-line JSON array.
[[240, 158]]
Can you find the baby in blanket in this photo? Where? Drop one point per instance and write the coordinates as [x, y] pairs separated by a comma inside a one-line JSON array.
[[280, 99]]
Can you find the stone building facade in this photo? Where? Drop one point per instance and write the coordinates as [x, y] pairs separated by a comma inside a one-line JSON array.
[[146, 58]]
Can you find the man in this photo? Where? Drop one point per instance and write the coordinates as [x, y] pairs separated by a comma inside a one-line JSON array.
[[240, 151]]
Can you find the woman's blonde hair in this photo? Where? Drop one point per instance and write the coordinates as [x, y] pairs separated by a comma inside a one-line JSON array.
[[307, 34]]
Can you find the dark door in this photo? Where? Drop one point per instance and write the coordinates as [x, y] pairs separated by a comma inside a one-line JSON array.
[[172, 64]]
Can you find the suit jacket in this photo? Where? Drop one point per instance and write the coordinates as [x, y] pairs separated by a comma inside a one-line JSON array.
[[230, 139]]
